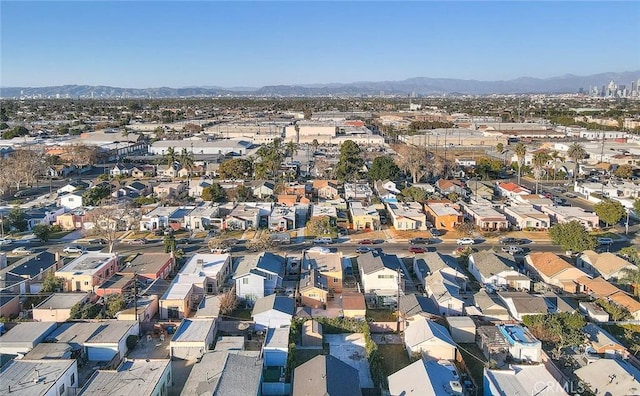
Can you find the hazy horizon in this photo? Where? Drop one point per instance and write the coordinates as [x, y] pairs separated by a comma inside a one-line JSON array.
[[151, 44]]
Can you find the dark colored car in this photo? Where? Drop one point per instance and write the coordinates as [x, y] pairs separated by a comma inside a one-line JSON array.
[[512, 241], [98, 241], [417, 249], [435, 232], [422, 241], [366, 242]]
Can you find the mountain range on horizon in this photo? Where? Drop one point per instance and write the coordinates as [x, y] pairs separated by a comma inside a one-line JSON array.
[[422, 86]]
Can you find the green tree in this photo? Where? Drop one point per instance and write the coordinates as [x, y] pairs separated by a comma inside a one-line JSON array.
[[453, 197], [384, 168], [572, 236], [214, 193], [576, 152], [609, 211], [560, 329], [499, 148], [415, 194], [42, 231], [186, 160], [631, 277], [17, 219], [631, 254], [15, 132], [617, 312], [95, 195], [521, 152], [169, 242], [236, 168], [321, 226], [114, 304], [291, 149], [52, 284], [170, 156], [624, 171], [350, 163]]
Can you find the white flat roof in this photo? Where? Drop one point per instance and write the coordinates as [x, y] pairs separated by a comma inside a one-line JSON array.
[[20, 376], [88, 263], [193, 330]]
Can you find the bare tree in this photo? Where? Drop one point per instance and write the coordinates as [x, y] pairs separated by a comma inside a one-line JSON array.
[[108, 221], [413, 160], [228, 301]]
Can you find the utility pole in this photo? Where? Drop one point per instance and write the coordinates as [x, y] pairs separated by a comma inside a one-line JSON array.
[[135, 295], [398, 303]]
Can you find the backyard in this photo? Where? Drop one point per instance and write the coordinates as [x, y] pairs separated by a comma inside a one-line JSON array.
[[394, 357]]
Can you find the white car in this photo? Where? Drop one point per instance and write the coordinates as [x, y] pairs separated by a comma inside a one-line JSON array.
[[5, 242], [320, 249], [605, 241], [465, 241], [73, 249], [21, 250]]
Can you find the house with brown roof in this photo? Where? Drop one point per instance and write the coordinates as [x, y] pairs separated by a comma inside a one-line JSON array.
[[553, 270], [353, 305], [624, 300], [326, 189], [603, 342], [598, 287], [608, 265], [450, 186]]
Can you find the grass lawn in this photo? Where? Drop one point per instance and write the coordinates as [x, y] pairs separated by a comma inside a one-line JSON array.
[[611, 235], [240, 314], [138, 234], [476, 367], [232, 234], [381, 315], [304, 355], [394, 357], [59, 234]]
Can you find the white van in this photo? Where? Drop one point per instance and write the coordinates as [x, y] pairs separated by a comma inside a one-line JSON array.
[[323, 240]]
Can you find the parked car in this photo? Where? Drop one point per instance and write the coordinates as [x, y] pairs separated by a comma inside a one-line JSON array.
[[138, 241], [21, 250], [98, 241], [512, 241], [323, 240], [417, 249], [320, 249], [422, 241], [512, 249], [465, 241], [570, 195], [363, 249], [605, 241], [365, 242], [74, 249], [5, 242], [435, 232], [220, 250]]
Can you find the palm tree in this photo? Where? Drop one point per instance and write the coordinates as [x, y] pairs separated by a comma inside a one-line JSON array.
[[290, 148], [631, 277], [576, 152], [521, 151], [539, 162], [170, 156], [186, 160]]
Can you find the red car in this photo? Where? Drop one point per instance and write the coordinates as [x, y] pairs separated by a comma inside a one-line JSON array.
[[366, 242], [417, 249]]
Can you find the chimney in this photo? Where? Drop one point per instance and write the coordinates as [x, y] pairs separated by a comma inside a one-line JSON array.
[[57, 256]]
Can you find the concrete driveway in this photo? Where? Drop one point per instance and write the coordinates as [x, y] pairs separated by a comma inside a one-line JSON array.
[[350, 348]]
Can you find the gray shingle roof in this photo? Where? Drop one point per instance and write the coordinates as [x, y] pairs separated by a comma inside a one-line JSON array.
[[279, 303], [240, 377], [326, 375], [413, 304], [490, 263], [373, 261]]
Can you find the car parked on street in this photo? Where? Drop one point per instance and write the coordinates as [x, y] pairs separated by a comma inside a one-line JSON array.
[[512, 241], [21, 250], [605, 241], [138, 241], [5, 242], [512, 249], [73, 249], [98, 241], [365, 242], [363, 249], [417, 249], [422, 241], [320, 249], [465, 241]]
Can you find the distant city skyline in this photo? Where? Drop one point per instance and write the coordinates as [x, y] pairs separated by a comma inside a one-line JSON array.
[[252, 44]]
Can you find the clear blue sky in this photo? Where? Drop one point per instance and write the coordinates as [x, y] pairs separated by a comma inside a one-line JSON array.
[[154, 43]]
